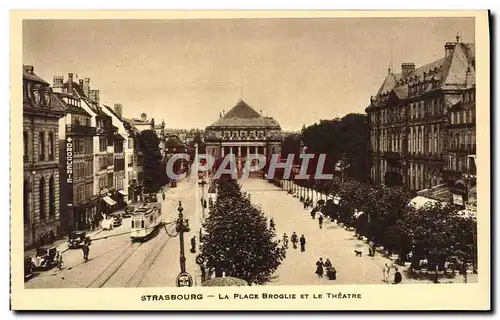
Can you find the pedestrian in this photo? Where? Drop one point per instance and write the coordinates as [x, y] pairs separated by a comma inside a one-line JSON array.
[[271, 224], [59, 262], [313, 213], [320, 219], [86, 251], [40, 239], [193, 244], [52, 237], [464, 271], [386, 272], [302, 243], [163, 195], [294, 240], [285, 241], [397, 276], [319, 268], [371, 248], [328, 264]]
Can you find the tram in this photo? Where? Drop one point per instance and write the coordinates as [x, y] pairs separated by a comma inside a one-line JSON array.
[[144, 220]]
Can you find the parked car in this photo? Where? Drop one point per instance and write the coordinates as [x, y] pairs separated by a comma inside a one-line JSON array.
[[45, 257], [117, 220], [28, 268], [128, 211], [76, 239]]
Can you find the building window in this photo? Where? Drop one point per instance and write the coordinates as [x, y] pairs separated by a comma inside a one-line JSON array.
[[41, 145], [52, 197], [26, 208], [41, 190], [51, 146], [25, 145], [103, 143]]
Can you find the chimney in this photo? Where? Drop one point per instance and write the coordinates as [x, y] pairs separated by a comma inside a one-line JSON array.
[[94, 96], [86, 86], [57, 84], [144, 116], [407, 68], [29, 69], [70, 83], [118, 109], [448, 49]]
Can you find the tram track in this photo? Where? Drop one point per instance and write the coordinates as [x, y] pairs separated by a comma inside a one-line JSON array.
[[114, 266]]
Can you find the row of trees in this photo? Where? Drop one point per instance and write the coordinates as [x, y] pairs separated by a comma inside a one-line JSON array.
[[436, 232], [238, 239], [341, 139]]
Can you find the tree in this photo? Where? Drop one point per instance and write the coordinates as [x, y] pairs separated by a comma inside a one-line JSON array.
[[152, 167], [238, 239], [291, 145], [346, 138]]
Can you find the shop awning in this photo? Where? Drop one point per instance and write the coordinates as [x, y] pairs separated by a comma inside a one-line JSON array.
[[123, 193], [420, 202], [109, 201]]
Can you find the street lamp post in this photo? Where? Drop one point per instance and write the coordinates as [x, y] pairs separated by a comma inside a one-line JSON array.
[[182, 226]]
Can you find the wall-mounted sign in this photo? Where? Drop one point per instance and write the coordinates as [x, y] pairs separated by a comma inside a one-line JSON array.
[[184, 279], [69, 170]]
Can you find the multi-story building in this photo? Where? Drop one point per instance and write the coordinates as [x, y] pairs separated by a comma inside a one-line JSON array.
[[173, 146], [149, 124], [103, 141], [76, 133], [243, 131], [41, 114], [408, 118], [134, 164], [121, 156]]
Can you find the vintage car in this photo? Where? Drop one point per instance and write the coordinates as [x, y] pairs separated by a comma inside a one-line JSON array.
[[76, 239], [117, 220], [128, 211], [28, 268], [45, 257]]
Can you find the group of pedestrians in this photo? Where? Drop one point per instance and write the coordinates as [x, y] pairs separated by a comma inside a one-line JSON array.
[[295, 241], [331, 272], [386, 271], [46, 238]]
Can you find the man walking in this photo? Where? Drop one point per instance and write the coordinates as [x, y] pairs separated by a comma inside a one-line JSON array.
[[285, 241], [319, 268], [193, 244], [320, 220], [86, 250], [294, 240], [302, 243]]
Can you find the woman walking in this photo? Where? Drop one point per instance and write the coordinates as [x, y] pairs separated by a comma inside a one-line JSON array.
[[319, 268]]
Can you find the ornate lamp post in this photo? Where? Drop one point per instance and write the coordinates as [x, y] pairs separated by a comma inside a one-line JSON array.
[[181, 227]]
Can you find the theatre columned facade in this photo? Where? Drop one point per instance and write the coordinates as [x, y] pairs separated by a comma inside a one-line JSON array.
[[242, 131]]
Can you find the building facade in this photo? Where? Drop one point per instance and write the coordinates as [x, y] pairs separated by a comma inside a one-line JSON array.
[[77, 198], [408, 117], [41, 114], [242, 131]]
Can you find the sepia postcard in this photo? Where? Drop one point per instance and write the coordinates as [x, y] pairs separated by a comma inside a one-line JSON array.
[[250, 160]]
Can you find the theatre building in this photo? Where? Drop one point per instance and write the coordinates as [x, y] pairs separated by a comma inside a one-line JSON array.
[[408, 118], [242, 131], [41, 114]]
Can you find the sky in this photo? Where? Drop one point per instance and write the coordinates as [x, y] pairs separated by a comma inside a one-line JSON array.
[[186, 72]]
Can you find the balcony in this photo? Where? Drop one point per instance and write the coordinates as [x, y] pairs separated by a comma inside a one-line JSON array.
[[464, 148], [106, 130], [79, 129]]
